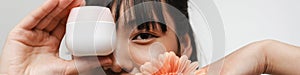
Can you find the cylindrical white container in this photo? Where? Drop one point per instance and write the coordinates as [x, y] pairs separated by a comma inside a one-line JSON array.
[[90, 31]]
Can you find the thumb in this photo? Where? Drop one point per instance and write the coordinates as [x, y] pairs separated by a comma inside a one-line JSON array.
[[83, 65]]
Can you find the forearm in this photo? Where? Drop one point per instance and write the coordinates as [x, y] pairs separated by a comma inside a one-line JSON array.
[[1, 73], [1, 65], [267, 56]]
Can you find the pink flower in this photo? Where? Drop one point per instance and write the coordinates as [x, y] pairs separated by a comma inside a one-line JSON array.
[[169, 64]]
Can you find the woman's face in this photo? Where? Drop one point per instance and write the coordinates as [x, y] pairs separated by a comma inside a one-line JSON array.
[[146, 45], [140, 44], [143, 45]]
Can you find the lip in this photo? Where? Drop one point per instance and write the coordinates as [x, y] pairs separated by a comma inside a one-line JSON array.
[[110, 72]]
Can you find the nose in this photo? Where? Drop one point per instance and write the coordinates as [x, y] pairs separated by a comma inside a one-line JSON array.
[[110, 63], [116, 68]]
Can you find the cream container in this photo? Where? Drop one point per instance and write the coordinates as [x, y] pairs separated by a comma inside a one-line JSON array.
[[90, 31]]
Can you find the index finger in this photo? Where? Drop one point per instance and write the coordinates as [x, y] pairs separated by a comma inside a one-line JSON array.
[[37, 15]]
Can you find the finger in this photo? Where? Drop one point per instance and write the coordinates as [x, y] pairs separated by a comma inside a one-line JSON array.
[[52, 25], [60, 29], [83, 3], [63, 14], [37, 15], [63, 4], [85, 64], [56, 21]]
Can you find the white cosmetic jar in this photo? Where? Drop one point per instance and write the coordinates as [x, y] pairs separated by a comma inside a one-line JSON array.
[[90, 31]]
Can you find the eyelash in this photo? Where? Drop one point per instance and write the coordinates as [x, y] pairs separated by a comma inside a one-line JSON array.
[[144, 38]]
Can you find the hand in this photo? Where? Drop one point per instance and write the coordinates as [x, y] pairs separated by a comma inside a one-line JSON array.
[[32, 46], [263, 57]]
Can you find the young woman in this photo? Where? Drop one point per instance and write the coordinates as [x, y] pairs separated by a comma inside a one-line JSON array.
[[32, 46]]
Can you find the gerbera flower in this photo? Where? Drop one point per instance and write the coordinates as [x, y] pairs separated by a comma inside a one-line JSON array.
[[169, 64]]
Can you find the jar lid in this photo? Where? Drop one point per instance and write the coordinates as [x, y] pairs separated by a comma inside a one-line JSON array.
[[90, 13]]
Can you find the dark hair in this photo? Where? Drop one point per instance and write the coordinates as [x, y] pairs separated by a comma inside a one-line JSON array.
[[182, 23]]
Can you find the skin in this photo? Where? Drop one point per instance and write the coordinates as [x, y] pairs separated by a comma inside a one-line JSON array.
[[139, 48], [262, 57], [32, 48]]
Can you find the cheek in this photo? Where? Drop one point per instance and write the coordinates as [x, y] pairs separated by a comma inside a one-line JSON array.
[[139, 54], [170, 43], [145, 53]]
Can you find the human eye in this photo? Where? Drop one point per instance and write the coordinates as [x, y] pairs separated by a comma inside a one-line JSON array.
[[144, 38]]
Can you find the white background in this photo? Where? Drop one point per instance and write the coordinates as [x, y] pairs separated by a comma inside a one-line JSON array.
[[245, 21], [251, 20]]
